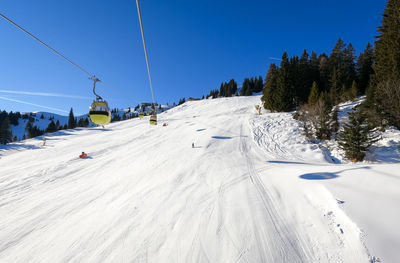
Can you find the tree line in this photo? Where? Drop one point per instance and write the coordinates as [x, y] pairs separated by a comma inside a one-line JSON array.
[[314, 85], [228, 89]]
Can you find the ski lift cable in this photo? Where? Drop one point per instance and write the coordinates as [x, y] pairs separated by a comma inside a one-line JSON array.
[[145, 51], [91, 76]]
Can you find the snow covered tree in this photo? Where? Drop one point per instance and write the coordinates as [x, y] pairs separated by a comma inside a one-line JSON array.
[[356, 137]]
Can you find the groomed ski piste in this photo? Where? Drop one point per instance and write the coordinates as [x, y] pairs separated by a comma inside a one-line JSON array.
[[251, 190]]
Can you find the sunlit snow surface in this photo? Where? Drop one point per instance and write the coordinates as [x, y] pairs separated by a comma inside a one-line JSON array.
[[251, 190]]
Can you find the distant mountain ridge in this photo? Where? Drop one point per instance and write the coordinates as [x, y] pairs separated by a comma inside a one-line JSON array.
[[42, 119]]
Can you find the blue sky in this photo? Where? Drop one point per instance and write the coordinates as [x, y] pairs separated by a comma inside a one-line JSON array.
[[193, 45]]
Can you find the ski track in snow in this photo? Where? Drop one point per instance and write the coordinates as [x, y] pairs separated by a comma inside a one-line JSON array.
[[144, 195]]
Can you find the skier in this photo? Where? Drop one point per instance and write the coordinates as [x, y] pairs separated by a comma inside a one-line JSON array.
[[192, 144], [83, 155], [44, 141]]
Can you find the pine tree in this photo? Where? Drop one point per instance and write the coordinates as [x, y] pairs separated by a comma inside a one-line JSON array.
[[270, 87], [314, 94], [245, 87], [335, 120], [5, 131], [231, 88], [334, 85], [387, 46], [222, 89], [349, 65], [52, 127], [285, 88], [336, 57], [71, 120], [386, 93], [353, 91], [28, 129], [365, 69], [338, 61], [258, 85], [314, 69], [357, 136], [33, 131], [323, 123], [304, 78], [115, 118], [324, 72]]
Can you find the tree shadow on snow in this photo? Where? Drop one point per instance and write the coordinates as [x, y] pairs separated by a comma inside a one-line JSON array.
[[100, 129], [221, 137], [386, 154], [287, 162], [18, 146], [318, 176], [327, 175]]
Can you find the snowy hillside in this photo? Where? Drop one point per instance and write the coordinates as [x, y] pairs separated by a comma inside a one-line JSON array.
[[251, 190], [43, 119], [41, 123], [386, 150]]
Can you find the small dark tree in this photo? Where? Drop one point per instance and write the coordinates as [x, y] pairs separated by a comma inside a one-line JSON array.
[[365, 69], [314, 94], [270, 88], [52, 127], [115, 117], [246, 89], [181, 101], [356, 137], [5, 131], [71, 120]]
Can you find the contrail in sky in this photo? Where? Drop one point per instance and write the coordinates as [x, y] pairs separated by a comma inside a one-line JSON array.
[[45, 94], [275, 58], [32, 104]]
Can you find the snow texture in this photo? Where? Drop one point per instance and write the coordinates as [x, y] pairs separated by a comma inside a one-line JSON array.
[[251, 190]]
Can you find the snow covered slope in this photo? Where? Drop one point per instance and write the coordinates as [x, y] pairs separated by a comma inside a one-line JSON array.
[[251, 190]]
